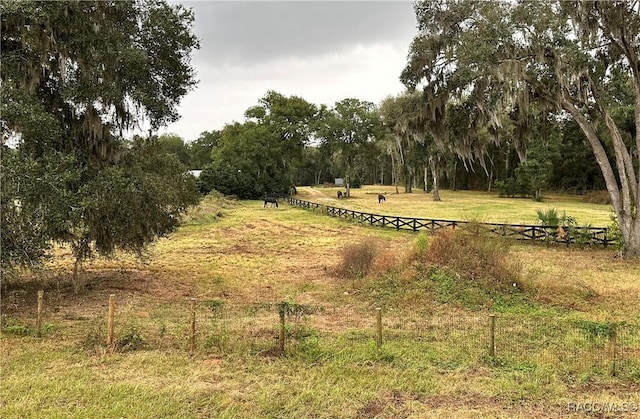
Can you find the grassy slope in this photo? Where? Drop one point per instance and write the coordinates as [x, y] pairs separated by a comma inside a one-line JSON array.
[[256, 255]]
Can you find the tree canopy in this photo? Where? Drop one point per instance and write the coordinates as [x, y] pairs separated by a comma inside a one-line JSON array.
[[263, 155], [75, 76], [573, 59]]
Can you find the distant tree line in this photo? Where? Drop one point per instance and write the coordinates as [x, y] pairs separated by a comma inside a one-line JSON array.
[[287, 141]]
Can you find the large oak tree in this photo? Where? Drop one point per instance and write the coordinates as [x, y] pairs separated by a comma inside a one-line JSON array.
[[576, 59], [76, 75]]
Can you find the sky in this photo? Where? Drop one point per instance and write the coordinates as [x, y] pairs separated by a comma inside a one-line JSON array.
[[322, 52]]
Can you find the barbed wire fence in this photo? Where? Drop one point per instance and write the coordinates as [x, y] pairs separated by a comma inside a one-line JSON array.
[[566, 345]]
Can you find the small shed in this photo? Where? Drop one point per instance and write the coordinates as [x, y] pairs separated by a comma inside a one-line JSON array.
[[339, 181]]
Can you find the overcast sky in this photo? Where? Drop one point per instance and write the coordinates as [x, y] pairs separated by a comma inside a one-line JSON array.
[[321, 51]]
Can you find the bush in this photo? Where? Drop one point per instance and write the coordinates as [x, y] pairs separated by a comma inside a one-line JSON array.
[[243, 183], [474, 257], [357, 259]]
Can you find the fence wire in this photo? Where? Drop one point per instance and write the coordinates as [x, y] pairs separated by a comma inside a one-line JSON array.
[[564, 345], [567, 345]]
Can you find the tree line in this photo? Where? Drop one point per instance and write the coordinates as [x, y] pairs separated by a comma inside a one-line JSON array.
[[253, 158]]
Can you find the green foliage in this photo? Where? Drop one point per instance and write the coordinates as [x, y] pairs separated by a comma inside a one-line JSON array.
[[173, 144], [615, 234], [244, 184], [131, 340], [348, 129], [570, 229], [421, 245], [17, 329], [263, 155], [74, 76], [143, 198], [512, 187], [200, 149], [553, 219], [595, 330]]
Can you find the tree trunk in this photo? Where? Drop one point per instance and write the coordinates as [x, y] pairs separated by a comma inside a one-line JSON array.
[[408, 181], [394, 173], [77, 280], [623, 206], [631, 247], [434, 174], [347, 185], [425, 175], [490, 180], [455, 170]]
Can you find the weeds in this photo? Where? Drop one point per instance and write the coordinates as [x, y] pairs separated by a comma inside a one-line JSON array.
[[473, 257], [357, 259], [18, 330]]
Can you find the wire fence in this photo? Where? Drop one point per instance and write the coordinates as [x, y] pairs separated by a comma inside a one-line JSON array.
[[566, 345]]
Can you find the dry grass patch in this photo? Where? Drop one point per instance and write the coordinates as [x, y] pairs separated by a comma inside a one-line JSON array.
[[586, 279]]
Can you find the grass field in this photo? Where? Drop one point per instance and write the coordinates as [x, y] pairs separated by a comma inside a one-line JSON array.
[[462, 205], [239, 260]]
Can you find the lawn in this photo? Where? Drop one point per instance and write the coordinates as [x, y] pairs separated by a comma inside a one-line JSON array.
[[239, 260]]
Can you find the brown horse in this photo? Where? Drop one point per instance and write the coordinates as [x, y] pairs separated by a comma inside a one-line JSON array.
[[340, 194]]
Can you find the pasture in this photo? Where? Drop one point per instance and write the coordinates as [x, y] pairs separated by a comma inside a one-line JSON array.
[[461, 205], [240, 259]]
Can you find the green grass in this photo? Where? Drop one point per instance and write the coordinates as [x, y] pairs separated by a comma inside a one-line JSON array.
[[239, 260], [461, 205]]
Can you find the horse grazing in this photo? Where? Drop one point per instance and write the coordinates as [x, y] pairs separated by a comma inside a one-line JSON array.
[[381, 198], [340, 194], [271, 201]]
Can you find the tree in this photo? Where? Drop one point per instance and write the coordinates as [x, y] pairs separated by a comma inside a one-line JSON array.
[[246, 163], [571, 58], [349, 127], [267, 147], [396, 113], [200, 149], [75, 76], [174, 144], [290, 121]]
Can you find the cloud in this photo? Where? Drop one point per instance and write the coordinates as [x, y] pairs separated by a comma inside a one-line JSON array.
[[321, 51], [249, 32]]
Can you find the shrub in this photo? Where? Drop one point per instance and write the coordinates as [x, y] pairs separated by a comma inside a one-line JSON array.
[[615, 234], [474, 257], [357, 259], [132, 340]]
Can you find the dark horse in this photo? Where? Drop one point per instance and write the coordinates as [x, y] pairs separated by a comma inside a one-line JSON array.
[[340, 194], [271, 201], [381, 198]]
